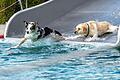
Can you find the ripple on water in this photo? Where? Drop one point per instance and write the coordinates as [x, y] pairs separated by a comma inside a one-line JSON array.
[[59, 61]]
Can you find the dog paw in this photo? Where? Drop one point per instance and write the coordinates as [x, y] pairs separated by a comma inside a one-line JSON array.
[[92, 39], [88, 39], [11, 48]]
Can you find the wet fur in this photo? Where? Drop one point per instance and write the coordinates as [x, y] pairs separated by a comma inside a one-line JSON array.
[[95, 29], [34, 32]]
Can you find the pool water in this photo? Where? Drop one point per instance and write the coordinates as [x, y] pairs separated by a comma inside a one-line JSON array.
[[48, 60], [58, 61]]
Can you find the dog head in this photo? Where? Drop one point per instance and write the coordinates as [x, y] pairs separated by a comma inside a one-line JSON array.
[[80, 29], [30, 27]]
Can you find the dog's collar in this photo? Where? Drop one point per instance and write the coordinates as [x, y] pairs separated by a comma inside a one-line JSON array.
[[88, 30]]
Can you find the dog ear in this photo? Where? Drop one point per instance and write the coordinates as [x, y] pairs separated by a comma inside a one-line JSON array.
[[84, 29], [26, 23]]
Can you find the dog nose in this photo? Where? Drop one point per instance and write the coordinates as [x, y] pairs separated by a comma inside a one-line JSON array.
[[75, 32], [27, 32]]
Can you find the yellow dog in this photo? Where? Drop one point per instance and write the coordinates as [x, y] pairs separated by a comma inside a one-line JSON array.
[[94, 29]]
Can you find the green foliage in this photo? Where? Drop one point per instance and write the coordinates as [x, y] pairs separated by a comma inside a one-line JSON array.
[[2, 17], [9, 12], [5, 15], [34, 2]]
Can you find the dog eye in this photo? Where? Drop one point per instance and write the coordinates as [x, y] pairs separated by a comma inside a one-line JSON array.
[[32, 28]]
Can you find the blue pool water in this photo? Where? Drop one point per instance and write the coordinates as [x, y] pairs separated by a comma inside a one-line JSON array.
[[49, 60], [58, 61]]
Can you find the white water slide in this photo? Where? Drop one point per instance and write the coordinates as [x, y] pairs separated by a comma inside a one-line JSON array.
[[64, 15]]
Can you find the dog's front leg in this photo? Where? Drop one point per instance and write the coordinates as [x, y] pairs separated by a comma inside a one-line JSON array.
[[95, 36], [91, 38], [22, 41]]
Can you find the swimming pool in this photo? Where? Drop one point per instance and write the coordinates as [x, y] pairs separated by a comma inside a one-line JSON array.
[[58, 61]]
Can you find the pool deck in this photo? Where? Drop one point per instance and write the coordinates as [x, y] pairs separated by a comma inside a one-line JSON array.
[[2, 28]]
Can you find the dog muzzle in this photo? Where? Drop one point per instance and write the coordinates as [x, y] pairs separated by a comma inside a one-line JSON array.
[[27, 32], [75, 32]]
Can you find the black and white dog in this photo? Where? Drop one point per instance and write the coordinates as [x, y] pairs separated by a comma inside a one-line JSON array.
[[34, 33]]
